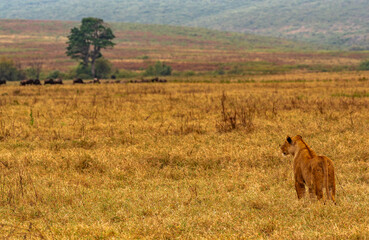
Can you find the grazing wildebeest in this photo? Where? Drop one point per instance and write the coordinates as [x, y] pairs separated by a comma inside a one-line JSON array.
[[30, 82], [2, 81], [94, 81], [26, 82], [156, 79], [58, 81], [52, 81], [36, 82], [78, 81], [49, 81]]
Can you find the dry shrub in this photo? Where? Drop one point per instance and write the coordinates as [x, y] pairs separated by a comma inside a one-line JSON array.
[[4, 130], [17, 184], [17, 92], [236, 114], [187, 127], [267, 229], [365, 178], [83, 143], [258, 205], [87, 164], [25, 231]]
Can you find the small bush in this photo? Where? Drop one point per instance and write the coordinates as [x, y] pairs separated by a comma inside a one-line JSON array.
[[80, 71], [84, 76], [125, 74], [85, 163], [189, 73], [236, 70], [9, 70], [55, 74], [143, 57], [364, 65], [159, 69], [220, 71], [32, 73], [103, 68]]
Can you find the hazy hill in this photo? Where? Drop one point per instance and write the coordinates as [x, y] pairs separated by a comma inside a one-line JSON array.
[[183, 48], [139, 45], [338, 22]]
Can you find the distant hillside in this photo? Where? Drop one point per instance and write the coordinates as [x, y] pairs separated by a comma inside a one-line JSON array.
[[140, 45], [183, 48], [337, 22]]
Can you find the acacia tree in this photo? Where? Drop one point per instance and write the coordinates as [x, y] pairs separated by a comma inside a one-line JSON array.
[[85, 43]]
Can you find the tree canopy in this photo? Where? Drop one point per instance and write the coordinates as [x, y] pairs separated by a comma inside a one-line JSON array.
[[85, 43], [10, 71]]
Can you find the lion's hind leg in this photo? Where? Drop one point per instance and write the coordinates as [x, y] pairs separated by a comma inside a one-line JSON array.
[[300, 189], [332, 184], [318, 176], [319, 191]]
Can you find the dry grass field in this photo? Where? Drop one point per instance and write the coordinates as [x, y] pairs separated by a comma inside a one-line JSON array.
[[169, 161]]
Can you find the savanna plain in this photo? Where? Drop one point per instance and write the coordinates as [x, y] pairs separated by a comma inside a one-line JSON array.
[[186, 160]]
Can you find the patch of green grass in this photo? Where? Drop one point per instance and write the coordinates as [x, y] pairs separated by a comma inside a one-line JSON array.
[[352, 95], [10, 50], [287, 81]]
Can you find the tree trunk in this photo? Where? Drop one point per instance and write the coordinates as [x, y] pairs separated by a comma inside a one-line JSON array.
[[94, 55], [85, 61], [93, 68]]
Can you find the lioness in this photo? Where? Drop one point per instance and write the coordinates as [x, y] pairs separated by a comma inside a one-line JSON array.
[[310, 169]]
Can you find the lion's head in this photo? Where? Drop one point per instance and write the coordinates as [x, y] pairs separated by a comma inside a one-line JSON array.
[[289, 145]]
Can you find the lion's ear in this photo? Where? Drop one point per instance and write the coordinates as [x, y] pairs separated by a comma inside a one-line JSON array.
[[289, 140], [299, 136]]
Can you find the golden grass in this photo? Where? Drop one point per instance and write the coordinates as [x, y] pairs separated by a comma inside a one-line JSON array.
[[159, 161]]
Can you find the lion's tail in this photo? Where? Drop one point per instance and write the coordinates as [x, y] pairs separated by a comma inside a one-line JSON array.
[[331, 180], [326, 184]]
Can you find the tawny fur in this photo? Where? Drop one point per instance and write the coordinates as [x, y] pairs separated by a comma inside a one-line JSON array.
[[316, 172]]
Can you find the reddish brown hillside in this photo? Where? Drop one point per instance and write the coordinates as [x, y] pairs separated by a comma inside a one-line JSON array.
[[182, 48]]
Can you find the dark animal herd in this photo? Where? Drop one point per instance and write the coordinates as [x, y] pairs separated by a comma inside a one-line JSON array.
[[80, 81], [53, 81]]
